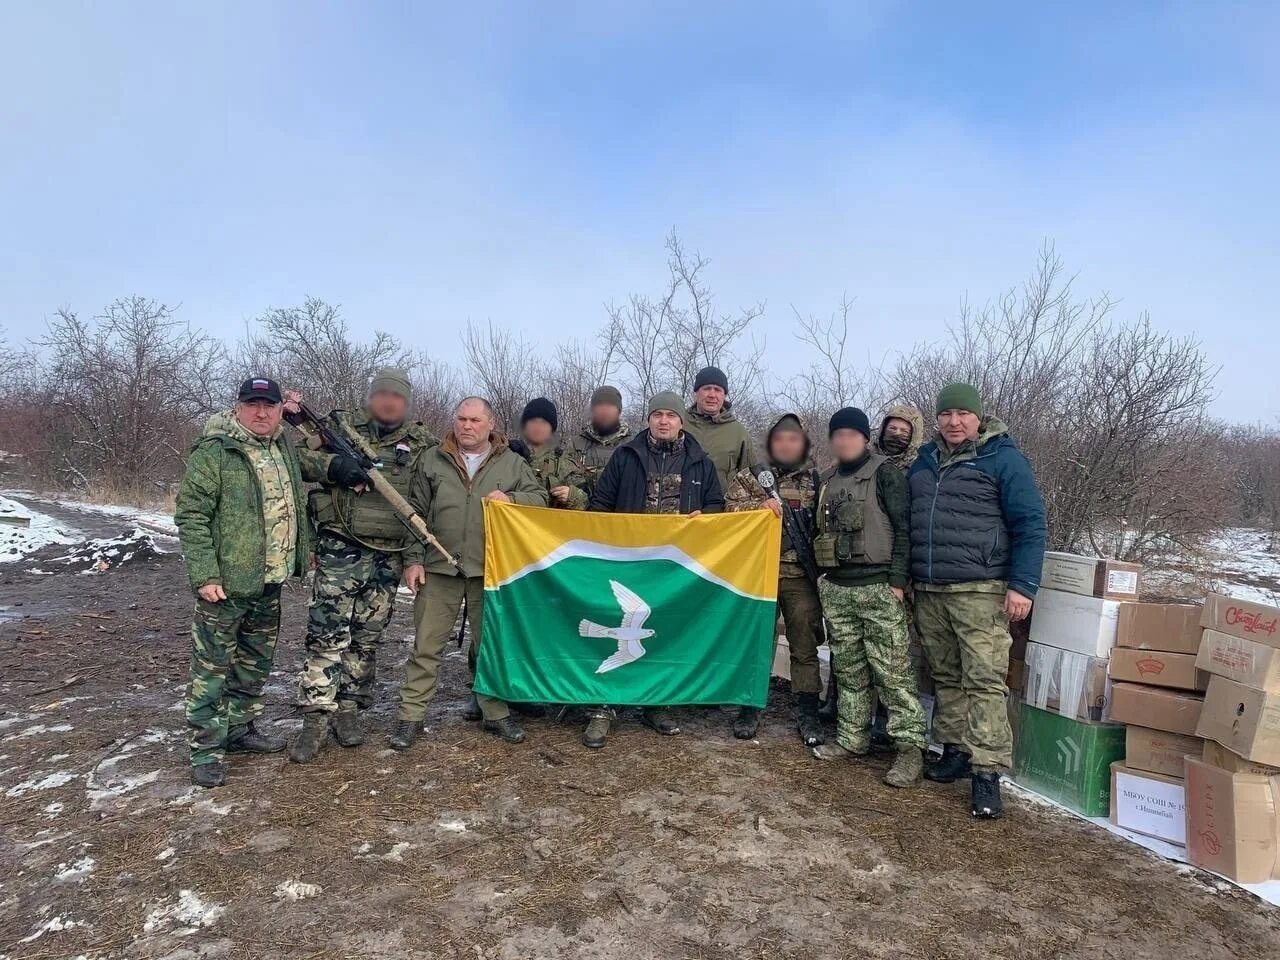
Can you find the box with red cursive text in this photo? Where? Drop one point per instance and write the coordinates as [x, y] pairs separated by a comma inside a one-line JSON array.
[[1242, 618]]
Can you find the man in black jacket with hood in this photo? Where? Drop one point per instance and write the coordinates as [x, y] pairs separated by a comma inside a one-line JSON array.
[[662, 470]]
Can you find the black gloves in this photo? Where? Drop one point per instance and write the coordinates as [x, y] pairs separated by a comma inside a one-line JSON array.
[[345, 471]]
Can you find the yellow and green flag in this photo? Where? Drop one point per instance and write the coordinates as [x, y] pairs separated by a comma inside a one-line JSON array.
[[611, 608]]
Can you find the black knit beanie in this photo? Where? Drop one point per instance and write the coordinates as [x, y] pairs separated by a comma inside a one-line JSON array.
[[710, 376], [850, 418], [542, 409]]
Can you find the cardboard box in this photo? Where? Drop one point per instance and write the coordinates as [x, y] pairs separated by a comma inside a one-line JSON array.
[[1071, 622], [1158, 668], [1148, 803], [1173, 711], [1244, 720], [1090, 576], [1216, 755], [1066, 760], [1244, 661], [1172, 627], [1242, 618], [1233, 823], [1157, 751], [1069, 684]]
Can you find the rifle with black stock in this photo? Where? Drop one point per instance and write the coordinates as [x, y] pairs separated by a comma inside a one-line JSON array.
[[798, 537], [339, 437]]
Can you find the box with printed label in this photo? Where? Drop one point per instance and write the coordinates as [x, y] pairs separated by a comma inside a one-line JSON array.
[[1244, 661], [1216, 755], [1070, 684], [1242, 618], [1071, 622], [1173, 627], [1158, 751], [1233, 822], [1090, 576], [1148, 803], [1158, 668], [1066, 760], [1174, 711], [1244, 720]]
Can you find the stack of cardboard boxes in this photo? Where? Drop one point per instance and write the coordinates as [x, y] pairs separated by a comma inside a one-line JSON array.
[[1158, 693], [1066, 740], [1233, 782]]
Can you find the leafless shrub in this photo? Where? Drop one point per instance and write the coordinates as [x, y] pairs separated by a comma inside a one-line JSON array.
[[504, 369], [570, 379], [437, 387], [1250, 455]]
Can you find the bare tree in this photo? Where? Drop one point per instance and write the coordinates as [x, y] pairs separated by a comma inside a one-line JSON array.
[[570, 379], [503, 368], [437, 388]]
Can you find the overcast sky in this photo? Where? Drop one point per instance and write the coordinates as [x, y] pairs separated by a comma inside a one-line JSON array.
[[522, 162]]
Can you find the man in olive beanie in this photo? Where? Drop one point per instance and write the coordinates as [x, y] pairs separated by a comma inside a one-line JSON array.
[[392, 380], [711, 421], [603, 434], [977, 546]]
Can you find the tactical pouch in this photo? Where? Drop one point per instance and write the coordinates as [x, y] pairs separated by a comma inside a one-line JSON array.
[[320, 506], [824, 550], [850, 516]]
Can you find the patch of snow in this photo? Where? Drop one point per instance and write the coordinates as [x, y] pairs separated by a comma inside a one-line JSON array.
[[118, 787], [188, 910], [117, 510], [59, 778], [74, 871], [452, 826], [208, 806], [43, 531], [16, 718], [53, 809], [166, 853], [297, 890], [57, 757], [52, 925], [36, 729]]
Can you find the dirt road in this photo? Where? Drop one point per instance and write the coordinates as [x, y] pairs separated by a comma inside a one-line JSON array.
[[692, 847]]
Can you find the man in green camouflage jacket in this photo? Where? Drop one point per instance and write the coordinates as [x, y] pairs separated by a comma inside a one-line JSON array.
[[554, 466], [359, 561], [242, 525], [596, 442]]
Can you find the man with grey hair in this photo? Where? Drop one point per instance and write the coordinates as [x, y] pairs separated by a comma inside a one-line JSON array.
[[472, 464]]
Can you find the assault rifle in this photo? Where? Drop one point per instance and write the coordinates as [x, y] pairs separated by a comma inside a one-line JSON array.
[[798, 537], [340, 438]]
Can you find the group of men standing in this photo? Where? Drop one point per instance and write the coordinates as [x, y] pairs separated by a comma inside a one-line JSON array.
[[950, 530]]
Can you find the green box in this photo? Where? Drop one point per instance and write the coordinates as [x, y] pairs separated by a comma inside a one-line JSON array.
[[1067, 760]]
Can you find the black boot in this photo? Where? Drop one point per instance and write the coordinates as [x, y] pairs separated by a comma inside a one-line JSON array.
[[827, 712], [506, 728], [404, 733], [472, 710], [880, 739], [807, 722], [953, 765], [209, 775], [661, 720], [315, 731], [985, 802], [746, 723], [248, 739]]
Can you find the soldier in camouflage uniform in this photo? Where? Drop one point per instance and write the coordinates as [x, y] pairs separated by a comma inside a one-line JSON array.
[[796, 482], [595, 443], [241, 521], [663, 470], [863, 544], [359, 562], [977, 546], [555, 467]]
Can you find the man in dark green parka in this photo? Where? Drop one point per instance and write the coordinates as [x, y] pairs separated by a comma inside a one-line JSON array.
[[242, 524]]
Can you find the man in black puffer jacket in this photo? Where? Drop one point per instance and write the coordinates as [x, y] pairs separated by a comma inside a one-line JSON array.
[[977, 546]]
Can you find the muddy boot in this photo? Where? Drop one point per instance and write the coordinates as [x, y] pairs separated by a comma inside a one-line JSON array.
[[209, 775], [346, 727], [827, 712], [807, 722], [746, 723], [472, 709], [833, 751], [661, 720], [597, 731], [506, 728], [907, 768], [404, 733], [315, 731], [248, 739], [985, 802], [953, 765]]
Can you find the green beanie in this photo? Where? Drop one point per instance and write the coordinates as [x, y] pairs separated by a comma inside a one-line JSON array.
[[667, 400], [959, 396], [392, 380]]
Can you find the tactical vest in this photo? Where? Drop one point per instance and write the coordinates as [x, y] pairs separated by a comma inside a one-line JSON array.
[[798, 489], [853, 529], [367, 518]]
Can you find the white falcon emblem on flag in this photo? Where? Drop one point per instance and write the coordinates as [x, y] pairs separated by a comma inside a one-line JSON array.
[[628, 634]]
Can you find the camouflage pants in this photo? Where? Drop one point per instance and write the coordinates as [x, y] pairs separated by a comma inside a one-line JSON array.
[[802, 617], [233, 644], [868, 640], [351, 604], [966, 638]]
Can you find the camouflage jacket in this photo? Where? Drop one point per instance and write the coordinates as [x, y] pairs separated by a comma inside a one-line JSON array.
[[593, 451], [230, 524], [797, 486], [913, 416], [554, 466]]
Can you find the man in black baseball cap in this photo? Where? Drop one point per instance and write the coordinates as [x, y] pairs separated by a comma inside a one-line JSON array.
[[259, 388]]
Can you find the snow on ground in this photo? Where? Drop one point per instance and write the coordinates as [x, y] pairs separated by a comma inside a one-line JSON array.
[[1244, 567], [151, 517], [189, 911], [18, 541]]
